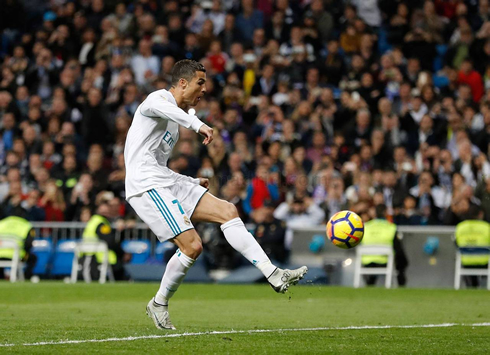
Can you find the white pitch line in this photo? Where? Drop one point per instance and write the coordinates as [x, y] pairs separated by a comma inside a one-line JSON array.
[[252, 331]]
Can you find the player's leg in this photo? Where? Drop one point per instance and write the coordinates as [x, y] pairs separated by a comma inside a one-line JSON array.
[[212, 209], [168, 222], [215, 210], [190, 247]]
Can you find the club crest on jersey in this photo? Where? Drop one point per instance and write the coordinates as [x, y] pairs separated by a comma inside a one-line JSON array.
[[167, 138], [187, 220]]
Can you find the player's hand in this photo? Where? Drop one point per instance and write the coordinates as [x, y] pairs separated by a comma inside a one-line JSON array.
[[204, 182], [207, 132]]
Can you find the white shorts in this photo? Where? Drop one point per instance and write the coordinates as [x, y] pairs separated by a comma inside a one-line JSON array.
[[168, 210]]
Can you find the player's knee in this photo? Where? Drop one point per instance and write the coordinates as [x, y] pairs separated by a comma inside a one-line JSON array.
[[192, 249], [196, 249], [230, 212]]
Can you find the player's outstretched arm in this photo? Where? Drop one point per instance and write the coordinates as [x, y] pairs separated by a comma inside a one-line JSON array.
[[156, 105]]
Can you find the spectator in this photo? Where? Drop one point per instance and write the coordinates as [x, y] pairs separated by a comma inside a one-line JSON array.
[[121, 19], [66, 175], [482, 192], [335, 200], [467, 75], [270, 232], [230, 34], [260, 189], [206, 36], [95, 128], [429, 197], [461, 209], [217, 57], [83, 195], [248, 20], [276, 28], [328, 91], [8, 131], [32, 144], [31, 206], [191, 50], [324, 20], [361, 132], [53, 202], [298, 212], [42, 75], [144, 65]]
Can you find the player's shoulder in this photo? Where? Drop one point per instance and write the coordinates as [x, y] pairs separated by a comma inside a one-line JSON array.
[[160, 93]]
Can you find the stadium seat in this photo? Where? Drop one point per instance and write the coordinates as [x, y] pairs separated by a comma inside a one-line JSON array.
[[43, 250], [82, 247], [139, 249], [462, 271], [359, 270], [16, 266], [63, 258]]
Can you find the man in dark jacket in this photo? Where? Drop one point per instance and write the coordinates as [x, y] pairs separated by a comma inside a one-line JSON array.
[[270, 232], [95, 126]]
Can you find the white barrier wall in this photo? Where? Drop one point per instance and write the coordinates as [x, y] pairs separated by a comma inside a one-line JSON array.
[[424, 270]]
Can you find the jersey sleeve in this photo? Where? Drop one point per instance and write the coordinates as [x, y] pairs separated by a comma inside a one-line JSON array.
[[158, 106]]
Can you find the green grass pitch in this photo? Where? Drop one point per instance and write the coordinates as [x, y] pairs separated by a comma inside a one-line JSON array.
[[57, 312]]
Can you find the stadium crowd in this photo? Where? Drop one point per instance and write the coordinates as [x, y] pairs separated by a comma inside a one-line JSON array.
[[318, 106]]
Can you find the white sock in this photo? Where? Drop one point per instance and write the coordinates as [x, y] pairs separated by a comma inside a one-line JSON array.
[[243, 242], [175, 272]]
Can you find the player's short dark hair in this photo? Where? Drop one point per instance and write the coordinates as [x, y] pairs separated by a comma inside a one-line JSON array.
[[185, 69]]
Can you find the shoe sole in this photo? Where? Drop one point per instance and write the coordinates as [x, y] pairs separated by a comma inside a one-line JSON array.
[[155, 320], [284, 288]]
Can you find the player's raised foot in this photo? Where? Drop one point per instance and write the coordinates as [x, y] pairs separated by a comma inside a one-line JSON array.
[[280, 280], [159, 314]]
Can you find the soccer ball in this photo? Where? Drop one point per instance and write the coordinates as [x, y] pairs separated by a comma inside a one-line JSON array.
[[345, 229]]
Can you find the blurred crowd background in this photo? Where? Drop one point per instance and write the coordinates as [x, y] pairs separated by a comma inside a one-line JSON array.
[[318, 106]]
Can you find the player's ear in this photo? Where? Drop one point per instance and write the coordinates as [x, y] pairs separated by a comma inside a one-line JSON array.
[[183, 82]]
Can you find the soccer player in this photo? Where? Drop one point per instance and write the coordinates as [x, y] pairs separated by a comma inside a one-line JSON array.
[[169, 202]]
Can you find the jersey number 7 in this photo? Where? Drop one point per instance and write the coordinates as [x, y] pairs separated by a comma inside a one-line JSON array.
[[178, 204]]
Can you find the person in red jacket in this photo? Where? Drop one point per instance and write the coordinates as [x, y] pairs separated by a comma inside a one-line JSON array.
[[261, 188], [467, 75], [217, 57]]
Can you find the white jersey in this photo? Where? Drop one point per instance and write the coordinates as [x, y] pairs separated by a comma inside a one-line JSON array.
[[151, 138]]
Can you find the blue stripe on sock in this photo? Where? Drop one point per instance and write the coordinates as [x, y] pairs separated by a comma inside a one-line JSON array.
[[168, 211], [163, 214]]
